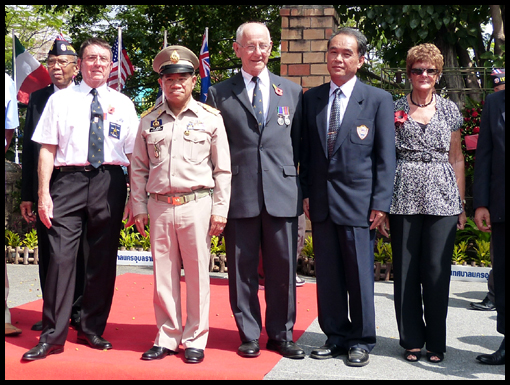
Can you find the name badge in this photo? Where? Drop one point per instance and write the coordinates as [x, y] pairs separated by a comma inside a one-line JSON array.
[[115, 130]]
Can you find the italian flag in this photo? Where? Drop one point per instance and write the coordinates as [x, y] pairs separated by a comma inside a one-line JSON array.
[[30, 74]]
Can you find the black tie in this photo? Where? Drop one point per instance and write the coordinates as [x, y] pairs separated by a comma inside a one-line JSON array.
[[258, 105], [334, 122], [96, 133]]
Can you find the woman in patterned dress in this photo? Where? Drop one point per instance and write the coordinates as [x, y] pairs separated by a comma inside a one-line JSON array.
[[427, 206]]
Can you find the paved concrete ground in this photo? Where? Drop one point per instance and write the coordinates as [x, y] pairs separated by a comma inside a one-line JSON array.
[[469, 333]]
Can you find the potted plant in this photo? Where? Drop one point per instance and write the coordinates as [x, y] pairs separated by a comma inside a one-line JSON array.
[[308, 258], [30, 242], [459, 253], [12, 243]]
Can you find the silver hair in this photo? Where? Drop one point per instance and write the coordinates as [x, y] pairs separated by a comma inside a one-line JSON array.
[[240, 30]]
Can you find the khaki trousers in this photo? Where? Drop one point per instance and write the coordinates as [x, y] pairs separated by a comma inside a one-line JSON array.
[[180, 234]]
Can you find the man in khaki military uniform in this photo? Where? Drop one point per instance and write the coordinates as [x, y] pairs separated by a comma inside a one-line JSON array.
[[180, 178]]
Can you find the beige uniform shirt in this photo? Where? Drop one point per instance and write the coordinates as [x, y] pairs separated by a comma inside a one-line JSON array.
[[178, 155]]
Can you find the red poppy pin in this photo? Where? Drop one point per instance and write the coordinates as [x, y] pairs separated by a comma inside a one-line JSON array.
[[400, 118], [277, 90], [111, 110]]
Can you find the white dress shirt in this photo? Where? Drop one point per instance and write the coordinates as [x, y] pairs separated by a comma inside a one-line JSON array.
[[347, 89], [65, 122], [265, 87]]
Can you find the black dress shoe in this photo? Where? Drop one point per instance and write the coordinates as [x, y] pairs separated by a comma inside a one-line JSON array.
[[485, 305], [358, 357], [42, 350], [37, 327], [96, 342], [497, 358], [328, 351], [193, 356], [287, 349], [249, 349], [157, 353]]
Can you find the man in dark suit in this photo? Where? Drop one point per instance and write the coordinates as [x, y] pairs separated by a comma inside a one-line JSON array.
[[347, 171], [262, 115], [62, 67], [489, 202]]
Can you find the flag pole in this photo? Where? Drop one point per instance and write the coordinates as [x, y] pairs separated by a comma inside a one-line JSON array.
[[119, 61], [165, 44], [16, 153]]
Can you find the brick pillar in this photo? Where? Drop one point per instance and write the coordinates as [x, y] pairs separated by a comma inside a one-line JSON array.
[[306, 30]]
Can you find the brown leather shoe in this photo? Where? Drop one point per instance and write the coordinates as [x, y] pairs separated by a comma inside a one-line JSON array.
[[11, 330]]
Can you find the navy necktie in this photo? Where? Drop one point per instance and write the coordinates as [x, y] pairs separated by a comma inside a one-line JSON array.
[[96, 133], [258, 105], [334, 122]]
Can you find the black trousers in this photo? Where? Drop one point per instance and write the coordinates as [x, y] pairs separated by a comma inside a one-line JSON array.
[[277, 239], [344, 267], [422, 255], [498, 244], [96, 200]]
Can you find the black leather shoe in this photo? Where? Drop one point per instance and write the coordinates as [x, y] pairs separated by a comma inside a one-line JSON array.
[[96, 342], [249, 349], [157, 353], [287, 349], [193, 356], [358, 357], [328, 351], [41, 351], [485, 305], [37, 327], [497, 358]]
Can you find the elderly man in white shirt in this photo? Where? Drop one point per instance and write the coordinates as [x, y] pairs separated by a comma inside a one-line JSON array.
[[89, 190]]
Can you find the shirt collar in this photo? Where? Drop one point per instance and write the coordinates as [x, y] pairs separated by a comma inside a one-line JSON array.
[[85, 88], [264, 77], [347, 88]]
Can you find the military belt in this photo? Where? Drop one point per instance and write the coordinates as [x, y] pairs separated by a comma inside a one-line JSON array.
[[182, 199]]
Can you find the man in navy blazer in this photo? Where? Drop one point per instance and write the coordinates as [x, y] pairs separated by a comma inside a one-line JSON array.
[[489, 202], [347, 176], [262, 115]]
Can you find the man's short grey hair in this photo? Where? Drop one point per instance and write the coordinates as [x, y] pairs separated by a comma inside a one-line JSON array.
[[240, 31], [360, 38]]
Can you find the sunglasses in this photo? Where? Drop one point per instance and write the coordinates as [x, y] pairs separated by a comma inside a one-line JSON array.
[[420, 71]]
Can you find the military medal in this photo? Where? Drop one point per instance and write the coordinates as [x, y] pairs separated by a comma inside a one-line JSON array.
[[157, 151], [283, 116]]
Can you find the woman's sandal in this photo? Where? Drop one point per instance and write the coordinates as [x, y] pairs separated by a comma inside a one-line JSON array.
[[416, 356], [439, 357]]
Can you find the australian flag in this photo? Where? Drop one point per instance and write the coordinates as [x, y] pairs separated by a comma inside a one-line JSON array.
[[205, 67]]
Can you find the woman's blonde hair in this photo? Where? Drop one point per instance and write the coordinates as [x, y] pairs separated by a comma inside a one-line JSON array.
[[425, 53]]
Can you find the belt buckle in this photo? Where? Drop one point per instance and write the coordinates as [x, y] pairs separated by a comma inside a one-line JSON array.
[[426, 157], [177, 201]]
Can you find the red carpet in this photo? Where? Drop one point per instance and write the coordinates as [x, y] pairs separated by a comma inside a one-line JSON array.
[[131, 330]]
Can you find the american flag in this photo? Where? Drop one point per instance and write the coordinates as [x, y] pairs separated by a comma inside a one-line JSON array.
[[205, 67], [127, 68]]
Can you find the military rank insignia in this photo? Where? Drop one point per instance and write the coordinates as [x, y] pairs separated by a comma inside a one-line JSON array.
[[156, 125]]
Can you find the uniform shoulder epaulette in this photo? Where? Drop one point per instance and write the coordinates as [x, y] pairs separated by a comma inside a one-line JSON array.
[[210, 109], [152, 109], [148, 112]]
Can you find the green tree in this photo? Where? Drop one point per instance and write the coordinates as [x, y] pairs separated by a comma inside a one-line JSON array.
[[456, 29], [143, 29]]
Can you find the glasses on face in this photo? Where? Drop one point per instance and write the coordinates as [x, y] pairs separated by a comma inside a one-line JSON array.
[[420, 71], [252, 47], [62, 63], [103, 60]]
